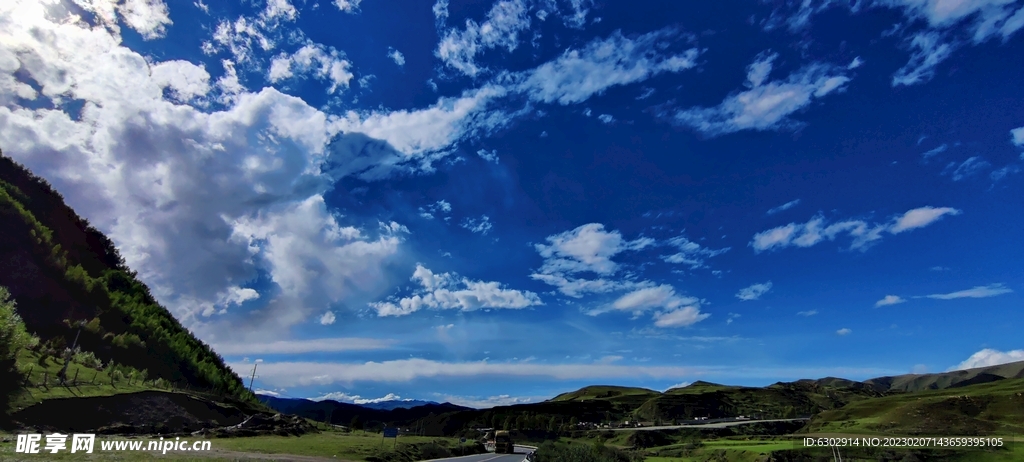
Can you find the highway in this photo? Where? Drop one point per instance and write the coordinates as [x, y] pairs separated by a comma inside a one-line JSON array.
[[521, 452], [730, 423]]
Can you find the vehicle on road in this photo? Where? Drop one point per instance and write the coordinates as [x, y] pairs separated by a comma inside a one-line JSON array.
[[503, 443]]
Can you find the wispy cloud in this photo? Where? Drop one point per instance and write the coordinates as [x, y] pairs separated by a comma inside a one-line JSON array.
[[889, 300], [863, 234], [754, 291], [287, 347], [968, 168], [807, 313], [784, 207], [766, 105], [617, 60], [327, 319], [1017, 136], [927, 51], [690, 253], [932, 152], [990, 290], [844, 331]]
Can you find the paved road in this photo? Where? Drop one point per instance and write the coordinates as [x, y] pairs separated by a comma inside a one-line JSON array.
[[520, 454], [708, 425]]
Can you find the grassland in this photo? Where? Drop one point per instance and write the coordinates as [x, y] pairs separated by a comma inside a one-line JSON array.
[[337, 446], [995, 408], [82, 381]]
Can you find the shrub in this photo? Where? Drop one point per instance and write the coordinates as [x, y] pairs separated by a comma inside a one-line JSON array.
[[87, 359]]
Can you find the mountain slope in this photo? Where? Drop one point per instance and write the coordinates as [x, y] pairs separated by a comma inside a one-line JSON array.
[[67, 277], [953, 379]]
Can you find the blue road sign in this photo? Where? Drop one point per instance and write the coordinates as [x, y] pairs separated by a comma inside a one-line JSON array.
[[391, 432]]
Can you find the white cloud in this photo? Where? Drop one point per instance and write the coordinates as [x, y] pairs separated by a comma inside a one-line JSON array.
[[323, 63], [396, 56], [673, 309], [844, 331], [690, 253], [327, 319], [288, 347], [477, 402], [857, 62], [981, 19], [784, 207], [579, 74], [606, 118], [480, 226], [999, 174], [347, 6], [279, 9], [148, 17], [970, 167], [588, 248], [990, 290], [864, 234], [681, 317], [754, 292], [441, 206], [932, 152], [184, 80], [1017, 136], [414, 139], [989, 357], [647, 298], [679, 385], [766, 105], [197, 202], [889, 300], [448, 291], [807, 313], [920, 217], [343, 397], [489, 156], [458, 48], [928, 52]]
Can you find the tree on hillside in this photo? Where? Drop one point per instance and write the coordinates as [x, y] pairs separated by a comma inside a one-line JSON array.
[[356, 424], [13, 337], [553, 424]]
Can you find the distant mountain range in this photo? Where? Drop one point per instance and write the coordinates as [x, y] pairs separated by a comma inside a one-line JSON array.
[[397, 404], [825, 398]]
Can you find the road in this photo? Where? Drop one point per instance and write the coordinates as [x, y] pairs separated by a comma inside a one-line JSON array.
[[708, 425], [521, 452]]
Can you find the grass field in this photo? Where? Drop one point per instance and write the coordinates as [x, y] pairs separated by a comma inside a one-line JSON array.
[[334, 445], [90, 382], [995, 408]]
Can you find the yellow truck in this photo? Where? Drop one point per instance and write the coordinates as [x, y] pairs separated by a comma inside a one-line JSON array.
[[503, 443]]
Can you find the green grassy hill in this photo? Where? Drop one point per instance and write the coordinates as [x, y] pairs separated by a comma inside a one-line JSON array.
[[995, 408], [919, 382], [68, 280]]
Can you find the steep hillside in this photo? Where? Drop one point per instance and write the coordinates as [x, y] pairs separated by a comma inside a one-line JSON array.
[[69, 280], [342, 413]]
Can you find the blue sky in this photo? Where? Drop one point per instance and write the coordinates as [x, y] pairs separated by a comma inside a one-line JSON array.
[[495, 202]]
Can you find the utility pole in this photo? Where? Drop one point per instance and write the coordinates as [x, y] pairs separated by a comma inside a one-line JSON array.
[[253, 376]]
